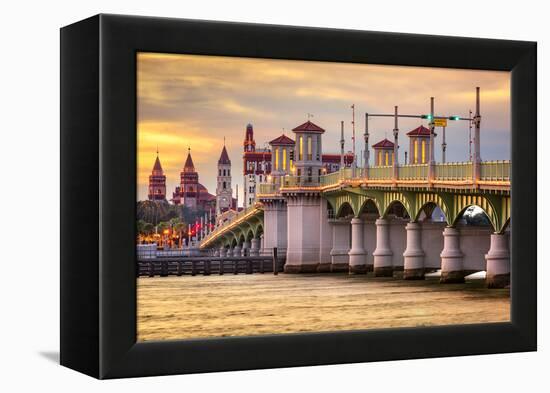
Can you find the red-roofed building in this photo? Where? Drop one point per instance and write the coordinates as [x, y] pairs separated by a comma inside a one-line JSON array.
[[157, 182], [383, 153], [419, 145], [190, 192], [256, 166], [309, 127]]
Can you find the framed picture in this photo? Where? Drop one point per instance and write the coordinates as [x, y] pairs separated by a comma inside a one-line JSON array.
[[240, 196]]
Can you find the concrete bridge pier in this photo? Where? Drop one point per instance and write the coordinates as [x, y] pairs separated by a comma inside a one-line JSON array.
[[383, 255], [246, 249], [498, 261], [452, 270], [357, 253], [254, 247], [369, 240], [222, 251], [236, 251], [325, 238], [340, 245], [414, 254], [303, 243], [216, 253]]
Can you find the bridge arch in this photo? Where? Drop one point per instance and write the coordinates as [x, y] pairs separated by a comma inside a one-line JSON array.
[[344, 210], [463, 202], [391, 198], [370, 205], [461, 214], [425, 201]]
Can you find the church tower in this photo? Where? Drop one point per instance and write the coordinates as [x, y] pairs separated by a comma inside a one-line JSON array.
[[157, 182], [189, 183], [224, 192]]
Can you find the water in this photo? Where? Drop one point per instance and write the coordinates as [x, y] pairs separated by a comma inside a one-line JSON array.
[[244, 305]]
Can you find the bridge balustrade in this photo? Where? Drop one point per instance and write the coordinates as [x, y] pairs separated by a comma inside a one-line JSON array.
[[454, 171], [413, 172], [495, 171], [380, 173]]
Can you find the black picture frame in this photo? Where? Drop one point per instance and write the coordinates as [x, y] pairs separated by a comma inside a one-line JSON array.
[[98, 189]]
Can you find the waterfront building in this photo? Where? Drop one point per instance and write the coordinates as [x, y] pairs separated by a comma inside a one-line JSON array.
[[256, 166]]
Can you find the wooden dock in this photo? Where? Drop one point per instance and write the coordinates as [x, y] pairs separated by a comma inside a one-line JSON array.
[[192, 266]]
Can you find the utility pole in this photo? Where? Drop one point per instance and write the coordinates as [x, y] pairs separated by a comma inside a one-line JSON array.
[[470, 138], [395, 144], [366, 151], [431, 166], [342, 141], [443, 147], [477, 153], [354, 164]]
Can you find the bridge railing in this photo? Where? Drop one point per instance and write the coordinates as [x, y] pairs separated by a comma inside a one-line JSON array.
[[454, 171], [269, 188], [495, 171], [224, 225], [331, 178], [380, 172], [413, 172]]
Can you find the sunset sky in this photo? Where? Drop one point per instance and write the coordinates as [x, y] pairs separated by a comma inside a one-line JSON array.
[[194, 101]]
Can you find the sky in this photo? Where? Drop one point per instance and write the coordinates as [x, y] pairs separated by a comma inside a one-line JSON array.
[[194, 101]]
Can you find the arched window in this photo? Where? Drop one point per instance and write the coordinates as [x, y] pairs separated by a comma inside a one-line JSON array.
[[224, 185], [387, 159], [415, 152], [277, 159], [309, 148], [219, 172], [301, 150], [284, 159], [380, 162]]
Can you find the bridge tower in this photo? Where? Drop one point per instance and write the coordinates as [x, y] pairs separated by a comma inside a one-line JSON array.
[[304, 207], [309, 151]]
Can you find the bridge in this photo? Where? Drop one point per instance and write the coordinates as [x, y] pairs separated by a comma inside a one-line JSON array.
[[371, 220], [384, 218]]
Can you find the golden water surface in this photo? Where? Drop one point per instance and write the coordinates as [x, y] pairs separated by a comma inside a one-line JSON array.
[[243, 305]]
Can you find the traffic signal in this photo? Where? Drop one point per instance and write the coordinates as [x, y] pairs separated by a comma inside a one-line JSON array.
[[454, 117], [429, 117]]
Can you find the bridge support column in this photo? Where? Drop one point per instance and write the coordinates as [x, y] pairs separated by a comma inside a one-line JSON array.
[[222, 251], [452, 270], [325, 236], [340, 245], [246, 249], [217, 253], [255, 247], [414, 255], [498, 262], [302, 253], [357, 253], [383, 254], [236, 251]]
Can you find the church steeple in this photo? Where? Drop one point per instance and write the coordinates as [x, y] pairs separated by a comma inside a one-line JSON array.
[[189, 166], [157, 182]]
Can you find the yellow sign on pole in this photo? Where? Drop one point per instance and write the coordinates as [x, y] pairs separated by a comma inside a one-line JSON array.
[[440, 122]]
